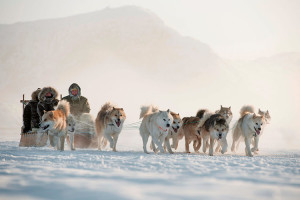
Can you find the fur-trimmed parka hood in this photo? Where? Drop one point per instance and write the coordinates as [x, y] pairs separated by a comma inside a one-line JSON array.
[[75, 85], [45, 90], [35, 94]]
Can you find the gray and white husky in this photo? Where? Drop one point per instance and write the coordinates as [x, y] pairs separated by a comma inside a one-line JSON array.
[[227, 114]]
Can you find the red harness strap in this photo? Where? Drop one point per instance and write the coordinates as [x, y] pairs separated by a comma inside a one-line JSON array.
[[162, 128]]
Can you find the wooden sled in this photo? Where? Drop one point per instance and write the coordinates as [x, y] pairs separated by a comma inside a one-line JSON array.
[[33, 139]]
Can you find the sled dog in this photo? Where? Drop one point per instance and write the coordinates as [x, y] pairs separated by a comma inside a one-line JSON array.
[[109, 123], [227, 114], [55, 122], [215, 128], [71, 124], [173, 132], [266, 115], [267, 119], [155, 123], [191, 132], [248, 126]]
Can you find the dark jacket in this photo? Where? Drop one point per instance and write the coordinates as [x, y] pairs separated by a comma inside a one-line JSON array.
[[30, 116], [47, 103], [78, 104]]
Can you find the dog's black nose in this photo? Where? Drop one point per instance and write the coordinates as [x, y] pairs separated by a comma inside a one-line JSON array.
[[177, 127], [118, 119], [259, 128], [220, 134], [168, 125]]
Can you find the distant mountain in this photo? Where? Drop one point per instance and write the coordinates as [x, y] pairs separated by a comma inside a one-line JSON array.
[[130, 35]]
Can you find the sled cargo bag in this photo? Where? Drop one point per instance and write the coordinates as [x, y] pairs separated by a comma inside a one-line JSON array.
[[84, 141], [33, 139]]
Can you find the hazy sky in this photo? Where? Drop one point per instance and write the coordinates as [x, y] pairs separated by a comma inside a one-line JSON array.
[[235, 29]]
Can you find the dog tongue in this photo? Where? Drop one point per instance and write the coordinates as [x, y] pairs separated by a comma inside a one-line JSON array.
[[258, 132], [175, 129], [118, 123]]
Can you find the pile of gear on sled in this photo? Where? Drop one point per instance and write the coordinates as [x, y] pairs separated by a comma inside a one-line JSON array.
[[46, 99]]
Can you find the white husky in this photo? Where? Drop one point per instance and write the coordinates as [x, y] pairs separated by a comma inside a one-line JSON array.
[[249, 126], [267, 119], [71, 130], [155, 123]]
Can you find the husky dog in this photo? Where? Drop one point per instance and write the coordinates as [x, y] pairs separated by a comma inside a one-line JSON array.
[[55, 122], [155, 123], [215, 128], [191, 132], [173, 132], [267, 119], [71, 130], [266, 114], [227, 114], [109, 123], [248, 126]]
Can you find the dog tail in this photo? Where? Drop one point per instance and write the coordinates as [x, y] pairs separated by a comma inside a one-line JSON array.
[[146, 110], [205, 117], [64, 106], [247, 109], [201, 112]]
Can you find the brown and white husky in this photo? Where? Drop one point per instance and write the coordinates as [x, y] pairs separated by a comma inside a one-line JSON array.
[[109, 123], [55, 122]]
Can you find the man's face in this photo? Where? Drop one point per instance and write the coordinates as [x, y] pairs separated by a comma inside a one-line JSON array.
[[74, 92], [48, 94]]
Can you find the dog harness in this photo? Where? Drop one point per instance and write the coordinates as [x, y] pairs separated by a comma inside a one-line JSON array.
[[162, 128]]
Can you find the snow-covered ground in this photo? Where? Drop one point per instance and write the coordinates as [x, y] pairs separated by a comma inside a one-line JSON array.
[[44, 173]]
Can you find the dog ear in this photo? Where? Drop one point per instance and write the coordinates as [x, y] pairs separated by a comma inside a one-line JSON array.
[[51, 114], [121, 108], [113, 108], [178, 114], [267, 112], [259, 110], [229, 107], [221, 106], [168, 110], [254, 115]]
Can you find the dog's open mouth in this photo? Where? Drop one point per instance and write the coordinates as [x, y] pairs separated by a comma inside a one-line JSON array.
[[257, 131], [45, 127], [118, 123], [175, 129]]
